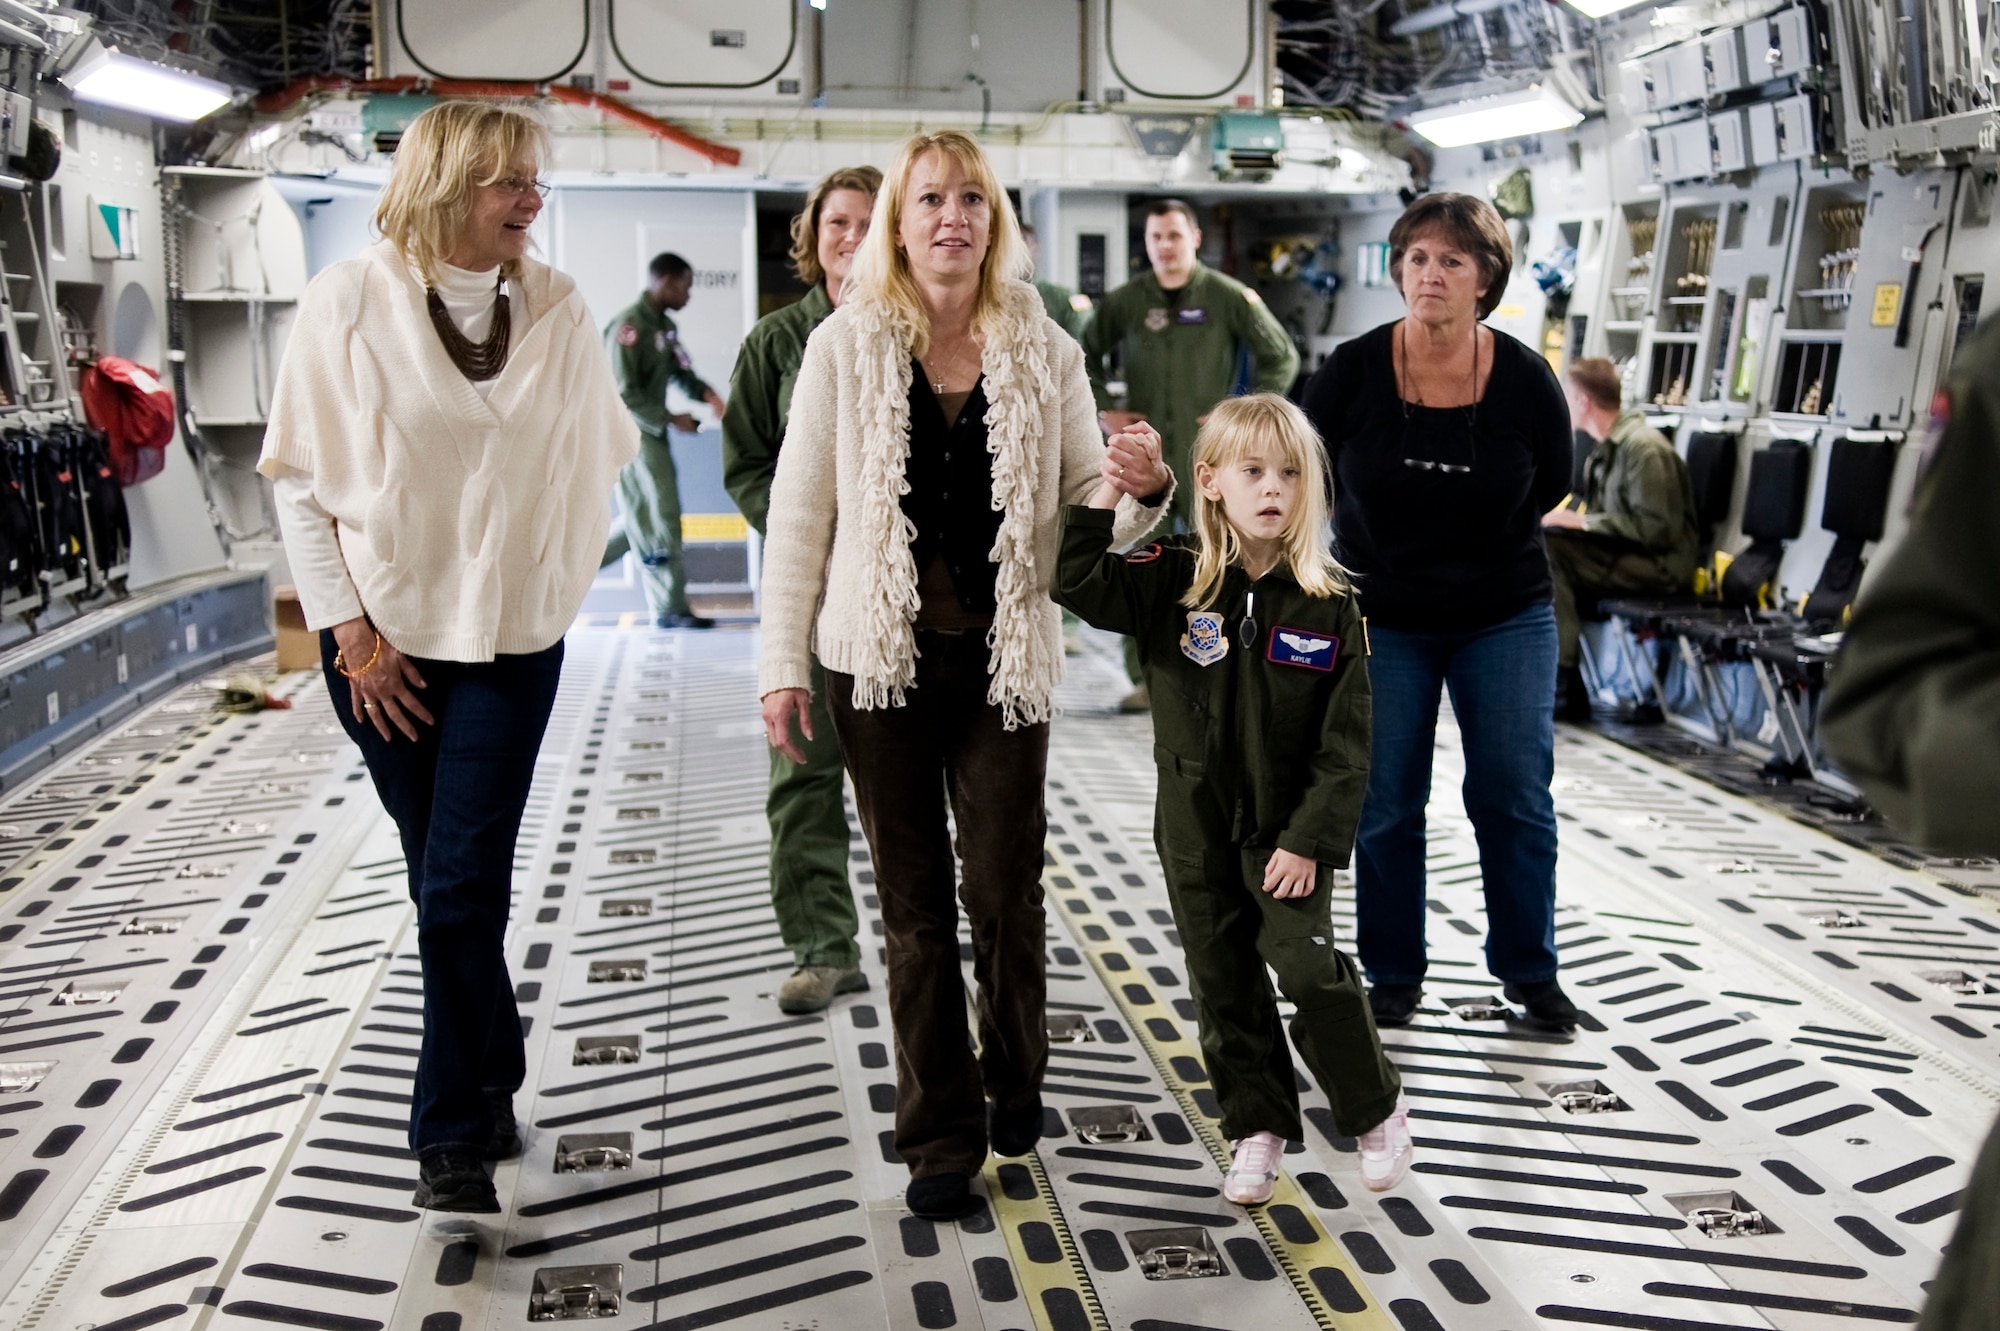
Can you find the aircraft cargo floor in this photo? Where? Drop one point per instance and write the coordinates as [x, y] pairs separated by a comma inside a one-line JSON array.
[[209, 1012]]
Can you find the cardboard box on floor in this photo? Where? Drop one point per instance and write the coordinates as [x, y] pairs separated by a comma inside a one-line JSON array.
[[298, 646]]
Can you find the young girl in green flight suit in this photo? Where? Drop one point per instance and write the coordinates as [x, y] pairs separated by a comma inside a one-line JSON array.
[[1254, 652]]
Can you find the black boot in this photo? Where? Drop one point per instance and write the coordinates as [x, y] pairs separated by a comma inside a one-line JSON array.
[[1572, 698], [1394, 1004], [1548, 1007]]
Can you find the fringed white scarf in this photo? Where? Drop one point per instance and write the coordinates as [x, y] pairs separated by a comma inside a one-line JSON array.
[[1022, 664]]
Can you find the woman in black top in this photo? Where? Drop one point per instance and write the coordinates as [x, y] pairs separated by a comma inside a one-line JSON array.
[[1448, 442]]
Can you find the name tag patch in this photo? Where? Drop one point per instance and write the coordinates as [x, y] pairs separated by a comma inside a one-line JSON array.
[[1205, 642], [1298, 647], [1197, 315]]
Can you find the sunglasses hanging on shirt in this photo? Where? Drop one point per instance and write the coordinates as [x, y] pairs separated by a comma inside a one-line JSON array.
[[1470, 411]]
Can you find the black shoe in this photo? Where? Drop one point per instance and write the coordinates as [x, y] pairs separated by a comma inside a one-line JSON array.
[[1014, 1131], [1572, 697], [505, 1143], [450, 1181], [1548, 1006], [683, 619], [1394, 1004], [941, 1196]]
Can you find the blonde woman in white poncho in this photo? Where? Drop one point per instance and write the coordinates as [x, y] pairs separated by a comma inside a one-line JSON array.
[[444, 436], [939, 422]]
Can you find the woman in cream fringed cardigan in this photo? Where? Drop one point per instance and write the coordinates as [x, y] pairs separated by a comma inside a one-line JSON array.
[[938, 423], [443, 440]]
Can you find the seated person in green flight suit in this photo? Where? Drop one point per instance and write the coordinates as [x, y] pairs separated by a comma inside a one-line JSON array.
[[1633, 529]]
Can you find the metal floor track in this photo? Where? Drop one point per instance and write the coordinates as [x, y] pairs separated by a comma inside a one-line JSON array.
[[210, 1007]]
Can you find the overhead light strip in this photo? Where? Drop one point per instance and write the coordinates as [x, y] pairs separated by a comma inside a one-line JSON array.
[[1533, 110]]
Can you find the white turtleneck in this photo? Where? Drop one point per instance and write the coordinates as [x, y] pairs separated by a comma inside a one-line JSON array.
[[312, 543]]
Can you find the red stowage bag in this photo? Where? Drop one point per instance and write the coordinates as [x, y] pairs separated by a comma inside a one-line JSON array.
[[129, 403]]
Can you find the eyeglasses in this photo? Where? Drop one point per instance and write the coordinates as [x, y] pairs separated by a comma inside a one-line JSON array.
[[1448, 468], [516, 186]]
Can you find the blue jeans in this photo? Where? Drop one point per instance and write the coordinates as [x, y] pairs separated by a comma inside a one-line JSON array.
[[1502, 681], [457, 793]]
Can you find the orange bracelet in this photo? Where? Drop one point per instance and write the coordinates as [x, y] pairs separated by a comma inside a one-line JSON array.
[[340, 660]]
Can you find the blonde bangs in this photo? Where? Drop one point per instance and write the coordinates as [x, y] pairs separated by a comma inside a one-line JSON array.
[[881, 271], [1234, 428], [445, 153]]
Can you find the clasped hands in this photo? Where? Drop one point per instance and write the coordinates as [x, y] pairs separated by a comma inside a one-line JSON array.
[[1132, 466]]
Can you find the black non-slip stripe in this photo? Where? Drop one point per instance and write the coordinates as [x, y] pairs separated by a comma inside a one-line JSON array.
[[1661, 1252], [678, 1097], [636, 1187], [1566, 1129], [1758, 1073], [1463, 1074], [1164, 1215], [1632, 1321], [1792, 1095], [1133, 1158], [777, 1298], [210, 1120], [653, 1220], [1750, 1298], [192, 1188], [1159, 1186], [356, 1177], [1671, 1010], [1694, 1032], [1579, 1158], [1825, 1120], [736, 1108], [723, 1275], [213, 1153], [210, 1097], [1844, 1061], [361, 1148], [1486, 1057], [1692, 1102], [94, 1015], [1932, 1210], [165, 1312], [153, 1279], [1724, 1051], [1869, 1237], [1637, 1219], [396, 1125], [1870, 1051], [353, 1210], [1536, 1180], [299, 1020], [314, 1318], [1649, 991], [762, 1225], [27, 1045], [692, 1145], [305, 1275]]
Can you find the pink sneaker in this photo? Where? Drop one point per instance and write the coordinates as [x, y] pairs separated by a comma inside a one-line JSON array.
[[1248, 1181], [1386, 1149]]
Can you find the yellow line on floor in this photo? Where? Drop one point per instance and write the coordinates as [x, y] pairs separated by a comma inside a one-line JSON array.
[[1078, 908], [1041, 1279]]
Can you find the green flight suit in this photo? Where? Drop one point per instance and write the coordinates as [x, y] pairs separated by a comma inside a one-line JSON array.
[[1913, 715], [1179, 352], [1255, 752], [1639, 527], [647, 355], [809, 838], [1060, 303]]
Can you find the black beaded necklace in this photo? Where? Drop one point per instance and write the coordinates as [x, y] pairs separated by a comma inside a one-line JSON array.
[[477, 361]]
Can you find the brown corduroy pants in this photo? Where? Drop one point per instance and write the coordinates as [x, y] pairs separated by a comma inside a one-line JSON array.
[[947, 744]]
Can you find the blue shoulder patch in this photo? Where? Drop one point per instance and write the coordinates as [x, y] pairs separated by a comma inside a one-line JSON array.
[[1302, 648]]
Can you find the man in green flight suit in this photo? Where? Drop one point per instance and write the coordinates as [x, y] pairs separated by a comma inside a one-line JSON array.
[[647, 355], [1913, 715], [1179, 329], [1634, 530], [809, 837], [1066, 307]]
